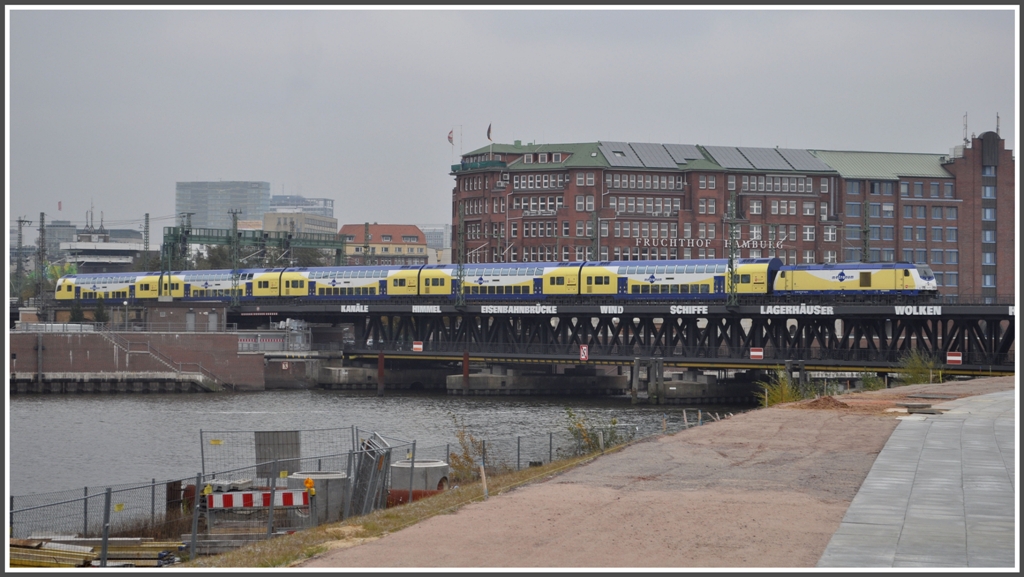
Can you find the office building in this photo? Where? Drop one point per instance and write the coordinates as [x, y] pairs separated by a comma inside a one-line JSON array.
[[642, 201], [386, 244], [210, 204]]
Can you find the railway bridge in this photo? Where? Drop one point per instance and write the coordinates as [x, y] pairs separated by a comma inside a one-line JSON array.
[[961, 338]]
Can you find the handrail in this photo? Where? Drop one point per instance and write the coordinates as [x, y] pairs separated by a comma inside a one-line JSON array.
[[177, 367]]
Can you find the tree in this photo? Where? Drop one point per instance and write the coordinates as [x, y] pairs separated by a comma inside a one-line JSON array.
[[100, 315], [217, 257], [77, 314]]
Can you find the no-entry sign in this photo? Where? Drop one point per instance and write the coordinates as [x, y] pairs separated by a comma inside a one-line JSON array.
[[756, 353], [417, 346], [584, 352], [954, 358]]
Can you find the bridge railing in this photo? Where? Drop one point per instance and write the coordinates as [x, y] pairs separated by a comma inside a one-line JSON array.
[[722, 352]]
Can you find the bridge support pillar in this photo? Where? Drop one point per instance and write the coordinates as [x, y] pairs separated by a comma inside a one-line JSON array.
[[465, 373], [380, 374]]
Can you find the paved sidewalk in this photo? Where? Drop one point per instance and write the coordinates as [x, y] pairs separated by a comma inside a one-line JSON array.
[[940, 493]]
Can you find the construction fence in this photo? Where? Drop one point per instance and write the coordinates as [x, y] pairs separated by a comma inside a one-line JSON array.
[[255, 485]]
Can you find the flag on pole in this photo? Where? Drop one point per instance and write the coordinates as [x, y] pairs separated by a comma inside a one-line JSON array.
[[489, 132], [451, 136]]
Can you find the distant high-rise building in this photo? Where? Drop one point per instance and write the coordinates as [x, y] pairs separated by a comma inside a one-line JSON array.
[[438, 235], [211, 203], [296, 203]]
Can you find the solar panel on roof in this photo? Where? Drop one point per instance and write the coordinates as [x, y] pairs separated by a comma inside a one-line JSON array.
[[765, 158], [683, 152], [653, 155], [619, 154], [802, 159], [728, 157]]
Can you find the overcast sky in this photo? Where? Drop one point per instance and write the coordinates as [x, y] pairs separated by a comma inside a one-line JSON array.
[[112, 107]]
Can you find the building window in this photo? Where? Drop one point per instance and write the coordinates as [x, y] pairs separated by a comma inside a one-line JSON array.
[[875, 209], [918, 189], [852, 187], [590, 202], [988, 258], [988, 192], [703, 182], [888, 233], [937, 256], [988, 280], [590, 179], [888, 255], [904, 189], [775, 207], [746, 184], [808, 209], [760, 183], [933, 190], [920, 211], [755, 232], [711, 206], [830, 233], [542, 158], [755, 207], [702, 206], [951, 213], [936, 234], [809, 256], [808, 233], [951, 235], [988, 171], [921, 256], [527, 159], [579, 179], [579, 229], [952, 278], [936, 212], [830, 256], [888, 210], [711, 182], [824, 186], [580, 202], [876, 232], [731, 182], [852, 232], [853, 209], [988, 214], [953, 257], [919, 234], [947, 190]]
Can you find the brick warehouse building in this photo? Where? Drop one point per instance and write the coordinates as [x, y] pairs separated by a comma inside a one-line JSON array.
[[641, 201]]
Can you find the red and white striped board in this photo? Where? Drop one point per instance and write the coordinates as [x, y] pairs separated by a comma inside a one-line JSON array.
[[417, 346], [756, 353], [241, 499], [954, 358]]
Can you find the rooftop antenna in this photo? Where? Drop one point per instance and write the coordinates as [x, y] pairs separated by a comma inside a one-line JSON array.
[[966, 142], [997, 124]]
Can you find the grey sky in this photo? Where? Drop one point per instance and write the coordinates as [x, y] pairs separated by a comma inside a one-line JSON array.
[[113, 107]]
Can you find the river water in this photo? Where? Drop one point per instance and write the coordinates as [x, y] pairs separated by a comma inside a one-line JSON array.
[[63, 442]]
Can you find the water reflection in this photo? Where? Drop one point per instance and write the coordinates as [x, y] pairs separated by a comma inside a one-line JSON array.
[[66, 442]]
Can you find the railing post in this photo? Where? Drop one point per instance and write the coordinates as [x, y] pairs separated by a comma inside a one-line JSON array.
[[273, 493], [85, 512], [518, 464], [196, 496], [152, 504], [412, 467], [106, 528], [551, 446]]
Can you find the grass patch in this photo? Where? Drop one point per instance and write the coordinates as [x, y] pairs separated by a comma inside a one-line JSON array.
[[917, 367], [779, 388]]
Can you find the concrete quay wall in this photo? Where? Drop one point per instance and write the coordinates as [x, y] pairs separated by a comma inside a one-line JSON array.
[[93, 353]]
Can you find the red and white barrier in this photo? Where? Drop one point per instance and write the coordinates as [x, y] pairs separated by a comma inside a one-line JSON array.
[[241, 499]]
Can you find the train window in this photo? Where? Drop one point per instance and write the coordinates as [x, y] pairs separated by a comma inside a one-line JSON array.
[[865, 279], [684, 288], [721, 268], [660, 270], [906, 272], [744, 279], [691, 268], [551, 281], [635, 289], [504, 272], [645, 289], [491, 290], [675, 289], [705, 288], [590, 280], [426, 282]]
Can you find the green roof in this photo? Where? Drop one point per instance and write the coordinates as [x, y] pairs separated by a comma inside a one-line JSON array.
[[579, 155], [883, 165]]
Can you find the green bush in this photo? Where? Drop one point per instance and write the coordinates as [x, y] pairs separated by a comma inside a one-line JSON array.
[[917, 367], [779, 388], [872, 382]]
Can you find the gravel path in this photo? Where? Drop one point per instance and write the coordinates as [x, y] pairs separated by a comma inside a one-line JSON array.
[[766, 488]]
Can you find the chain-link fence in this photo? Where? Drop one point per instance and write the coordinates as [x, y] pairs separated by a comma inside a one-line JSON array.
[[257, 484]]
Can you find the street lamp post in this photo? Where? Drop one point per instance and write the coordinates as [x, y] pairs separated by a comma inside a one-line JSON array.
[[126, 316]]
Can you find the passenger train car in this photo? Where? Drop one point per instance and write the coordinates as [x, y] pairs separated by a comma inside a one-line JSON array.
[[677, 280]]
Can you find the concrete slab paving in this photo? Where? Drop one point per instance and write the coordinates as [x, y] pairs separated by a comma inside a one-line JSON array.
[[940, 494]]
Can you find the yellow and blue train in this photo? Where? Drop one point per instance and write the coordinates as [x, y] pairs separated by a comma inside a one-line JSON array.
[[668, 280]]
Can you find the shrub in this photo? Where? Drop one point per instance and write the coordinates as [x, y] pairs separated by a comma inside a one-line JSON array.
[[918, 367], [778, 389], [463, 465], [872, 382]]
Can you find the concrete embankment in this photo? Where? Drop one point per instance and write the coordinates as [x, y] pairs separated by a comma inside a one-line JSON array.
[[766, 488]]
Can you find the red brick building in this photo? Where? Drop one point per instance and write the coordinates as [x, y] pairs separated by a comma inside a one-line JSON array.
[[642, 201], [384, 244]]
